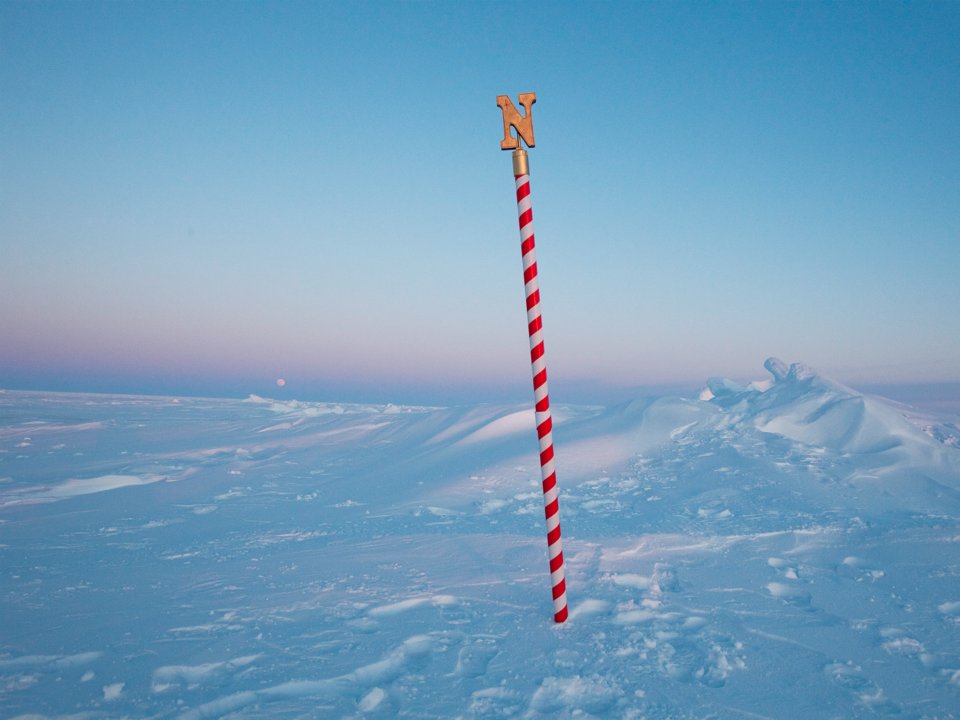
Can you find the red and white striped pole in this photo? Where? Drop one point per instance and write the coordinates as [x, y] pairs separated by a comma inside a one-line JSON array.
[[544, 420]]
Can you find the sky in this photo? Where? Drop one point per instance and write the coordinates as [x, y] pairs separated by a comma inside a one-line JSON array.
[[202, 198]]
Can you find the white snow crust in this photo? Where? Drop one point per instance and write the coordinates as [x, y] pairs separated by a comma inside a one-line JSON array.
[[783, 549]]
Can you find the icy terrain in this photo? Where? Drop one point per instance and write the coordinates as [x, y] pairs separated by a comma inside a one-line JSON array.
[[784, 550]]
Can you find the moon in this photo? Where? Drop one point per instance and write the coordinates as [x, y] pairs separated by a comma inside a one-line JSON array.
[[281, 382]]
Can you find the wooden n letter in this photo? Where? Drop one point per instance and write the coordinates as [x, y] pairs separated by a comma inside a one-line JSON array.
[[523, 124]]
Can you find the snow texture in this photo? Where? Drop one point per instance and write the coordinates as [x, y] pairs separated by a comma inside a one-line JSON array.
[[784, 549]]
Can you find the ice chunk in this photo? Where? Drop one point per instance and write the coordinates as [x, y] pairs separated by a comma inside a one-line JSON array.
[[777, 368]]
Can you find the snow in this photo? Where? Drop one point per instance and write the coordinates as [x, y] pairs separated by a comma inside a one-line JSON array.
[[85, 486], [112, 691], [782, 549]]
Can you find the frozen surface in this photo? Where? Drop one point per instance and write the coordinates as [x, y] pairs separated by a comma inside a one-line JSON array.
[[789, 549]]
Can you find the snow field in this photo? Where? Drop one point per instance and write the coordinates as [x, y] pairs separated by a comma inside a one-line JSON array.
[[790, 552]]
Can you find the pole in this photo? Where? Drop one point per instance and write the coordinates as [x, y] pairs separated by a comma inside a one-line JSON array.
[[544, 420]]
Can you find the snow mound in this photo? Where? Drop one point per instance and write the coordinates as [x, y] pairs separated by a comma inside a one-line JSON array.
[[808, 408], [875, 439]]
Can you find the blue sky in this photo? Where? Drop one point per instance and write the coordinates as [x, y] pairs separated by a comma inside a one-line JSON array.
[[200, 198]]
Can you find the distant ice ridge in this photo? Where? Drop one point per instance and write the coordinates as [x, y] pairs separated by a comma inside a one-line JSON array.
[[800, 378], [313, 409]]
